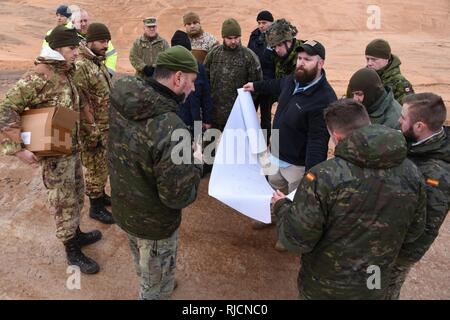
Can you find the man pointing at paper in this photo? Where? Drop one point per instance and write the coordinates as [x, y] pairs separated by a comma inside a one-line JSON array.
[[303, 137]]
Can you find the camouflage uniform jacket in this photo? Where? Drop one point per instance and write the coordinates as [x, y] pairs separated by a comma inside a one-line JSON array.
[[354, 211], [386, 110], [110, 55], [94, 84], [148, 188], [284, 66], [392, 78], [48, 84], [432, 157], [144, 53], [227, 71], [204, 41]]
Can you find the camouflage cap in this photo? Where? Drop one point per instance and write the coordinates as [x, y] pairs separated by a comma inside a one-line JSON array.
[[280, 31], [177, 58], [150, 22]]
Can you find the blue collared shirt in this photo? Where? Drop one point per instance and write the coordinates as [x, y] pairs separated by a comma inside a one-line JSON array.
[[299, 89]]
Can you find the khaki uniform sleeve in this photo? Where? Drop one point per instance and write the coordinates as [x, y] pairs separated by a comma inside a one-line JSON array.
[[166, 45], [136, 61]]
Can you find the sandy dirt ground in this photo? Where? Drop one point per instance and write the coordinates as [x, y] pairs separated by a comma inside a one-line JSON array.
[[220, 256]]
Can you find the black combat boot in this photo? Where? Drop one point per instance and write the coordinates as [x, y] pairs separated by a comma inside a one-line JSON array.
[[84, 239], [76, 258], [99, 212], [106, 199]]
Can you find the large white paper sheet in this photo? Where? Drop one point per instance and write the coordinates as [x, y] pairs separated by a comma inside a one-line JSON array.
[[237, 178]]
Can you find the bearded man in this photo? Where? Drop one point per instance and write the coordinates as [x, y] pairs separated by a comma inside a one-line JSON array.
[[302, 132], [201, 42]]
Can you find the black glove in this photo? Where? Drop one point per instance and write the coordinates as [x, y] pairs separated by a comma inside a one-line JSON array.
[[148, 71]]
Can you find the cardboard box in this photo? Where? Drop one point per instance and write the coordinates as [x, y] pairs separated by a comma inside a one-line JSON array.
[[48, 131]]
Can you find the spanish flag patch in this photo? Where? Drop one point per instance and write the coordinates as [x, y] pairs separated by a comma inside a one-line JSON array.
[[310, 177], [433, 182]]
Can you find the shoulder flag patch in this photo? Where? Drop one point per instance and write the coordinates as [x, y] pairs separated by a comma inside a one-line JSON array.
[[310, 177], [433, 182]]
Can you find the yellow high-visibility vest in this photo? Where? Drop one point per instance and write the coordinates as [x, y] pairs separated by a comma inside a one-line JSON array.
[[111, 59]]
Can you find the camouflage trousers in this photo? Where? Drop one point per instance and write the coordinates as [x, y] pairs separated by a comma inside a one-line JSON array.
[[96, 163], [155, 262], [399, 273], [63, 179]]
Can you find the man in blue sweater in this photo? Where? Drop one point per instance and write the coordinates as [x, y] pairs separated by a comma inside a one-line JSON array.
[[303, 136]]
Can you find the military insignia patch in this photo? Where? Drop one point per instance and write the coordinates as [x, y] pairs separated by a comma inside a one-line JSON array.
[[433, 182], [310, 177]]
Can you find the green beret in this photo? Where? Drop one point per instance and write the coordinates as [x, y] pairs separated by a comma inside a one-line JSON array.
[[231, 28], [379, 48], [177, 58]]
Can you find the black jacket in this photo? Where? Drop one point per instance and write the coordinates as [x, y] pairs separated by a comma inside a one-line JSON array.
[[303, 135], [258, 45]]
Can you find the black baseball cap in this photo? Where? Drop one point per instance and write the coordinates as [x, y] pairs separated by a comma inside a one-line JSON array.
[[313, 48]]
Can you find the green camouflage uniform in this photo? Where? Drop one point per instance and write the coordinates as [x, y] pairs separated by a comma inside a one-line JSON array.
[[284, 66], [432, 157], [49, 84], [227, 71], [386, 111], [391, 77], [144, 53], [148, 188], [352, 212], [93, 82]]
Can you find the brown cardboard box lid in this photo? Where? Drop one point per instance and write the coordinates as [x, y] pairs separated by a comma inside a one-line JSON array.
[[39, 125], [62, 117]]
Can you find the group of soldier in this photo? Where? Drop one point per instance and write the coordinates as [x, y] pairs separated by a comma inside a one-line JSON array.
[[379, 202]]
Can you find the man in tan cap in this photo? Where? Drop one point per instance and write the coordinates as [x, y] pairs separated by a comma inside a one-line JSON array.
[[201, 42], [146, 48]]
